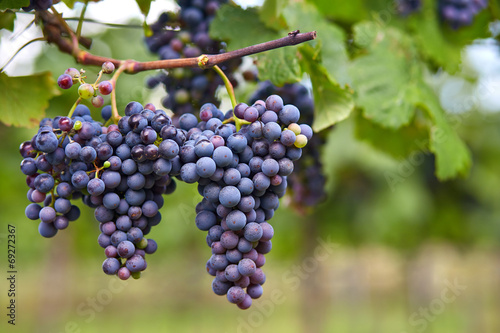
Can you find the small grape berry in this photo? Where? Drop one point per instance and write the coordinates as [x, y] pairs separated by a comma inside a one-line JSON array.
[[295, 128], [105, 87], [86, 91], [73, 72], [108, 67], [300, 141], [65, 81], [97, 101]]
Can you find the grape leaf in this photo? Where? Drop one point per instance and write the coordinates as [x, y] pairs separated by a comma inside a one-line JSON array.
[[389, 85], [386, 75], [306, 17], [69, 3], [25, 98], [240, 28], [332, 103], [398, 143], [348, 11], [271, 14], [280, 66], [7, 20], [13, 4], [144, 5], [452, 155]]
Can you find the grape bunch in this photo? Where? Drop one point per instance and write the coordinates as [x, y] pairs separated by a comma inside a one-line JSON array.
[[308, 181], [241, 176], [188, 89], [38, 5], [459, 13], [241, 161], [114, 169], [111, 170], [407, 7]]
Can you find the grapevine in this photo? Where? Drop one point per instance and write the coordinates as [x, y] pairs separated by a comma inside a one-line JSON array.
[[240, 160], [123, 170]]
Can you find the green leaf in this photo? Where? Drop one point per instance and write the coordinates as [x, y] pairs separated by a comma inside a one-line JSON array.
[[271, 14], [240, 28], [25, 98], [7, 19], [452, 156], [13, 4], [347, 11], [439, 42], [332, 103], [389, 86], [398, 143], [280, 66], [69, 3], [144, 5], [305, 17], [386, 75]]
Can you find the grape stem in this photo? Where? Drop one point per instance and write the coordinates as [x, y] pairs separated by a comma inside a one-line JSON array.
[[112, 25], [53, 198], [237, 122], [230, 90], [17, 52], [115, 116], [80, 21], [227, 83], [53, 34], [19, 33], [98, 79], [70, 113], [97, 169], [74, 39]]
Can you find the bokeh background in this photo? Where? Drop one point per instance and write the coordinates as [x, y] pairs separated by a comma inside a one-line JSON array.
[[418, 255]]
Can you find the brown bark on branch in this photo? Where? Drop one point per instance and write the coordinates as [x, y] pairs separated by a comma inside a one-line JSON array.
[[53, 33]]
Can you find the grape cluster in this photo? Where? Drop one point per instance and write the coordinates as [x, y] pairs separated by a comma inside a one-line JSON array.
[[241, 176], [407, 7], [87, 90], [117, 170], [188, 89], [308, 181], [123, 170], [459, 13]]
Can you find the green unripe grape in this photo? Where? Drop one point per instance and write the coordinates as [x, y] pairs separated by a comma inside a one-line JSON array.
[[142, 244], [185, 37], [106, 165], [78, 125], [135, 275], [300, 141], [86, 91], [295, 128], [178, 73], [181, 96]]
